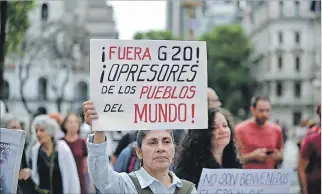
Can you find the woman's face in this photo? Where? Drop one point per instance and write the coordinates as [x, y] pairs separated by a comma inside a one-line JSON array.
[[42, 135], [13, 124], [221, 132], [157, 150], [72, 124]]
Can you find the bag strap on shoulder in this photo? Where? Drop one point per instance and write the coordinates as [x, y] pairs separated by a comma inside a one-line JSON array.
[[137, 185], [187, 187]]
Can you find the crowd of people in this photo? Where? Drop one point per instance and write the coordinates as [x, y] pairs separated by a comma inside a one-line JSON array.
[[59, 159]]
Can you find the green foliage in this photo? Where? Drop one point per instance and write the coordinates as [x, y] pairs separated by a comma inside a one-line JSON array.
[[17, 23], [155, 35], [229, 50]]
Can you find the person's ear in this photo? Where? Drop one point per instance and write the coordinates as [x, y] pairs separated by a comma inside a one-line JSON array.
[[138, 153], [252, 109]]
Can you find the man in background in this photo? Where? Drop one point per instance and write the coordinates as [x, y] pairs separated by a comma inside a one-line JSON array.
[[260, 142]]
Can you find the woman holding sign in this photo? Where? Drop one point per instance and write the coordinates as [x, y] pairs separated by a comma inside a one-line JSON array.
[[210, 148], [155, 149]]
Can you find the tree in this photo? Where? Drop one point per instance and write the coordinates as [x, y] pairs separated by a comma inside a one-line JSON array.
[[155, 35], [62, 45], [29, 53], [14, 24], [67, 47], [229, 66]]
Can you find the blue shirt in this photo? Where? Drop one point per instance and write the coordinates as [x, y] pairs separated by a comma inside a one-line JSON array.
[[109, 181], [123, 159]]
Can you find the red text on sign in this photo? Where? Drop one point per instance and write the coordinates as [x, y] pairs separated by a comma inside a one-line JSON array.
[[161, 113], [168, 92], [129, 53]]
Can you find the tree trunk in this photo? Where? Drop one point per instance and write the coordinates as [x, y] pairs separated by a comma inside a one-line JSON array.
[[61, 98], [23, 81], [3, 5], [59, 101]]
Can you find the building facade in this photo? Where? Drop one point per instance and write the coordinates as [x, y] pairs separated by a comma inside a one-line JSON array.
[[43, 83], [287, 40], [207, 15]]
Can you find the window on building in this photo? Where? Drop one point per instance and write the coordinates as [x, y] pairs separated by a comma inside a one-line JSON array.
[[169, 15], [280, 37], [6, 90], [251, 17], [297, 64], [297, 89], [279, 89], [297, 37], [297, 8], [281, 7], [280, 62], [82, 90], [44, 12], [297, 117], [268, 88], [203, 7], [181, 22], [42, 88]]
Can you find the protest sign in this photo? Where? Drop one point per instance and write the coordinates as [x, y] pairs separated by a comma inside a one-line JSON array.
[[11, 147], [245, 181], [148, 84]]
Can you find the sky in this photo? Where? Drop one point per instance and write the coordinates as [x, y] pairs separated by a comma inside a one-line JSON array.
[[133, 16]]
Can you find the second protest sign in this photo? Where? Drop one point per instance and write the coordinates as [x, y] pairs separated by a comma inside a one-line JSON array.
[[146, 85]]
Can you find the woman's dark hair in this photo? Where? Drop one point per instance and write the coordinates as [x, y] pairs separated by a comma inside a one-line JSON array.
[[63, 128], [196, 152], [141, 135]]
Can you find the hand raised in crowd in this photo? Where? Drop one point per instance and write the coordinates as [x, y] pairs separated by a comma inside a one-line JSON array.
[[90, 113]]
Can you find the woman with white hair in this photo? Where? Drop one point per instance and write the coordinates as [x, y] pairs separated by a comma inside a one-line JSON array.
[[53, 166]]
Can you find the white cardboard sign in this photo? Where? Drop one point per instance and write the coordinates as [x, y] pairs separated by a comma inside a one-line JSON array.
[[12, 142], [245, 181], [148, 84]]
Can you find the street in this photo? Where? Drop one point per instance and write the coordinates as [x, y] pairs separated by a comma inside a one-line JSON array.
[[290, 161]]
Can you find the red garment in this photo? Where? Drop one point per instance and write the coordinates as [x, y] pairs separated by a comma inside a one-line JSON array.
[[311, 151], [132, 163], [79, 150], [249, 137], [312, 130]]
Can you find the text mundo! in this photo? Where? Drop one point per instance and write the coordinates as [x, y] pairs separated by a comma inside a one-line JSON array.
[[163, 113], [246, 179]]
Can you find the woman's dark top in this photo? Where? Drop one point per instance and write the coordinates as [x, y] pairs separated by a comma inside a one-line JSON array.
[[25, 186], [193, 174], [43, 165]]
